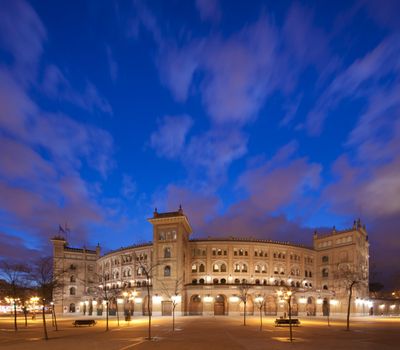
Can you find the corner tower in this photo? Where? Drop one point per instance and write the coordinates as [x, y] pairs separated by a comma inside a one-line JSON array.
[[171, 231]]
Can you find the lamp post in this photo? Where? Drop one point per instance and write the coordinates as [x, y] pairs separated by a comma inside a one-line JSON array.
[[287, 296]]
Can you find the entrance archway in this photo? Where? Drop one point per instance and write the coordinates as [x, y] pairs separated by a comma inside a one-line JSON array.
[[270, 306], [166, 308], [311, 307], [325, 307], [195, 305], [294, 307], [72, 307], [219, 305]]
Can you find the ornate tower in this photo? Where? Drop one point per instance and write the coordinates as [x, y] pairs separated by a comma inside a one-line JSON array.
[[171, 231]]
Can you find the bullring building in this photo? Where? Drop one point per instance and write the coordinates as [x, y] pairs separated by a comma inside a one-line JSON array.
[[206, 276]]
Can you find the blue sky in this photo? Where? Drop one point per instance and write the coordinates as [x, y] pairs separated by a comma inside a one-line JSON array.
[[269, 120]]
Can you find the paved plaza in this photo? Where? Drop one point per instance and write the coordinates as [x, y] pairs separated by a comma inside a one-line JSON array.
[[205, 333]]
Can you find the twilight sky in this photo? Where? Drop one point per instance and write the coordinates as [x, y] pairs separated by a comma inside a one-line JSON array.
[[263, 119]]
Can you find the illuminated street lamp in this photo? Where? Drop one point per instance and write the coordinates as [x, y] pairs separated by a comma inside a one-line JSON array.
[[286, 295]]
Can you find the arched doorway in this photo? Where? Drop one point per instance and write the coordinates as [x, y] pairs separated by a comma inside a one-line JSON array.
[[72, 307], [311, 307], [325, 307], [219, 305], [270, 306], [195, 305], [294, 307]]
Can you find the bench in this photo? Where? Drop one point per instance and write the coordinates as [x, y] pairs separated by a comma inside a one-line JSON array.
[[286, 322], [84, 323]]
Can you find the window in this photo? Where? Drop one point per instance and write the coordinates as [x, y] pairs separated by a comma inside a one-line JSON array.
[[194, 281], [194, 268], [72, 291], [223, 281], [215, 280], [325, 272], [237, 267], [167, 271], [215, 268], [162, 236], [325, 287], [325, 259], [167, 253], [201, 280], [237, 280], [257, 269], [202, 268], [223, 268], [244, 268], [72, 279]]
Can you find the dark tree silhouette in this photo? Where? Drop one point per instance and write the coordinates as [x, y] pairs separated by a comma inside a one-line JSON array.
[[15, 277]]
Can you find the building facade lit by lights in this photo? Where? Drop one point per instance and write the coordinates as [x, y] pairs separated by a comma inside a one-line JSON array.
[[204, 276]]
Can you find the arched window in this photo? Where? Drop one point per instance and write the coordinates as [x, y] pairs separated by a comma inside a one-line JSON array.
[[162, 236], [202, 268], [223, 268], [325, 272], [325, 258], [194, 268], [325, 287], [72, 291], [201, 280], [257, 281], [72, 279], [167, 271], [241, 252], [244, 268], [215, 268], [237, 267], [167, 253], [263, 269], [223, 280], [194, 281], [237, 280], [257, 269], [215, 280]]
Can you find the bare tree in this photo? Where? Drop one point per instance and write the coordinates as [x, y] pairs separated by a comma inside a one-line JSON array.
[[174, 296], [102, 292], [45, 280], [15, 276], [147, 269], [351, 279], [244, 297], [260, 301]]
